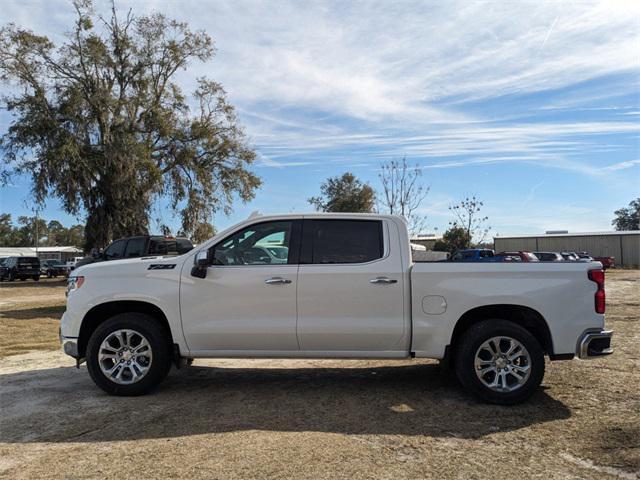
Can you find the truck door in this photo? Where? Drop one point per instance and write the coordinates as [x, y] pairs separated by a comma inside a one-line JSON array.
[[350, 288], [247, 301]]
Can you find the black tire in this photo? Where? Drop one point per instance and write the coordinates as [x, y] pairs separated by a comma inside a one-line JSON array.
[[23, 279], [471, 341], [36, 279], [159, 340]]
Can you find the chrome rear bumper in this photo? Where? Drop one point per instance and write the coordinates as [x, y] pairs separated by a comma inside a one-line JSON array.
[[595, 344]]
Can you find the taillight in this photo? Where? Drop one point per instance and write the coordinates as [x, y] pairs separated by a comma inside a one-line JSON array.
[[598, 277]]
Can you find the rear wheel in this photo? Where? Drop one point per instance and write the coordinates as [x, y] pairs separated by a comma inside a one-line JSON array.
[[499, 362], [36, 278], [129, 354]]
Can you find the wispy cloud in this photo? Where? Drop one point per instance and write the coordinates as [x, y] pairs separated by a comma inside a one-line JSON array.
[[621, 165]]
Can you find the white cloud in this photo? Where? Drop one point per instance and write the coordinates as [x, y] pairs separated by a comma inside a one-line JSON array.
[[621, 165]]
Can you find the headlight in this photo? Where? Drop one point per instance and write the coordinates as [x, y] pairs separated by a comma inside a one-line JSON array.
[[74, 283]]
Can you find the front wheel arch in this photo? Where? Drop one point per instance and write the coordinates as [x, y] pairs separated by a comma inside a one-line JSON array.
[[103, 312]]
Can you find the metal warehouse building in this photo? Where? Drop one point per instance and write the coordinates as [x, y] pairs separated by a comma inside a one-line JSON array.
[[623, 246]]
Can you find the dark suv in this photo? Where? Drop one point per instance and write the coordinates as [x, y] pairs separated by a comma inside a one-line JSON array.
[[20, 267], [142, 246]]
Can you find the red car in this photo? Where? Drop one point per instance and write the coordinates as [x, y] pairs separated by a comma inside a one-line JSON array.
[[607, 262], [523, 256]]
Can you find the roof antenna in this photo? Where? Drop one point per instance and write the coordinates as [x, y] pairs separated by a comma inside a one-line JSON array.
[[254, 214]]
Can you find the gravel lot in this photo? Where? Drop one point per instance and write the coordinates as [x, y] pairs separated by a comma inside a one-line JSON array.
[[311, 419]]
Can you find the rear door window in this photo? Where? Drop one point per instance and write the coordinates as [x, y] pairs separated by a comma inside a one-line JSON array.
[[342, 241], [135, 247]]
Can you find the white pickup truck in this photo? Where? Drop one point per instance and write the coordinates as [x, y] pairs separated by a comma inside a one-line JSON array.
[[331, 286]]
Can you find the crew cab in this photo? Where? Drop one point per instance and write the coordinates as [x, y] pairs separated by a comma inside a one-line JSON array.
[[346, 288]]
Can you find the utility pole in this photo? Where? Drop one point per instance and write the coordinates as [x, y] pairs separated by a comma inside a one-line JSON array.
[[37, 232]]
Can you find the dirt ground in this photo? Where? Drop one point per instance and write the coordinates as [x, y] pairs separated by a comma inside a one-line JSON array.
[[312, 419]]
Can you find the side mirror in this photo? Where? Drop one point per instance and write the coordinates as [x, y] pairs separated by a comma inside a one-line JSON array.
[[200, 264]]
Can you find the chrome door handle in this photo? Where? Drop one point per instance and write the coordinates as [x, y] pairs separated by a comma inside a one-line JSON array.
[[384, 280], [277, 281]]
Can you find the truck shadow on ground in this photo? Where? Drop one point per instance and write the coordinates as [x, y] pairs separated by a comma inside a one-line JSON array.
[[63, 405], [54, 312], [47, 283]]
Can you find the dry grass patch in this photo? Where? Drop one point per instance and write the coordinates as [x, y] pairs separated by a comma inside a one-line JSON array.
[[30, 316]]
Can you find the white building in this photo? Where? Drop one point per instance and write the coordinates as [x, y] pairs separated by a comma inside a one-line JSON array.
[[43, 253]]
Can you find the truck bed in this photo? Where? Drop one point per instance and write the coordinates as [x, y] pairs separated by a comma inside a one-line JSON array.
[[443, 292]]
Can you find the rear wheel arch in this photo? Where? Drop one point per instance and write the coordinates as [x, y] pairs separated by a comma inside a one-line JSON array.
[[526, 317], [103, 312]]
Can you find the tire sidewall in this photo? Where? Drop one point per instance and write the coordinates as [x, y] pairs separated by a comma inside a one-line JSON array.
[[480, 333], [157, 337]]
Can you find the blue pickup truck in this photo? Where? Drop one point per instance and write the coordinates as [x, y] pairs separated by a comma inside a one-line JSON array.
[[473, 255]]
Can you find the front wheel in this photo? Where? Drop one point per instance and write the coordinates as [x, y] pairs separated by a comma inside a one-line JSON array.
[[129, 354], [499, 362]]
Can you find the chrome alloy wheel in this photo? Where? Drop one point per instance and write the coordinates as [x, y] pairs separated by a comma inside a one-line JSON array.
[[502, 364], [125, 356]]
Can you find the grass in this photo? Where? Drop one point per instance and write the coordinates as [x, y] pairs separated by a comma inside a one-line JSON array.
[[30, 316]]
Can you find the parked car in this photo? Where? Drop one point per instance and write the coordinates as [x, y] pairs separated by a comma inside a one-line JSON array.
[[349, 289], [140, 246], [20, 268], [472, 255], [53, 268], [523, 256], [607, 262], [570, 256], [549, 256], [71, 263]]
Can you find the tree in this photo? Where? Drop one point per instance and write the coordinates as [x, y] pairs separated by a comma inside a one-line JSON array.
[[467, 215], [203, 232], [403, 193], [50, 234], [456, 238], [344, 194], [32, 232], [628, 218], [56, 233], [74, 236], [101, 123], [6, 230]]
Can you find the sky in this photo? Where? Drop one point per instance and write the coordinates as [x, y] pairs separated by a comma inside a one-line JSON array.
[[534, 107]]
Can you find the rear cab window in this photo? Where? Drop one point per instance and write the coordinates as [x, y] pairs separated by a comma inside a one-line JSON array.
[[169, 246], [342, 241]]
